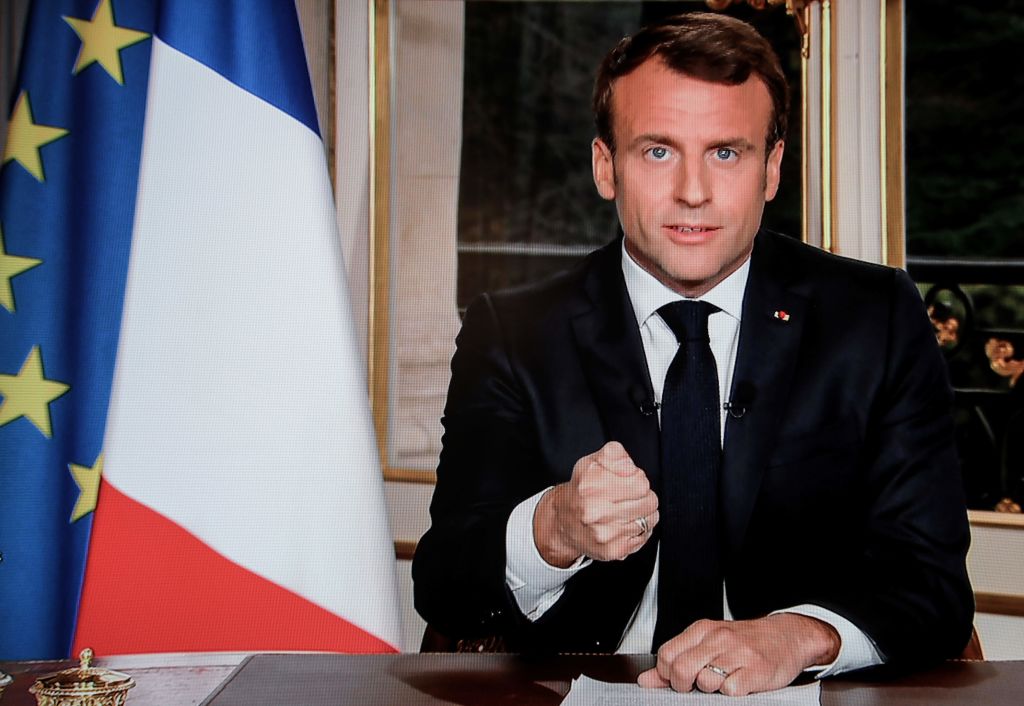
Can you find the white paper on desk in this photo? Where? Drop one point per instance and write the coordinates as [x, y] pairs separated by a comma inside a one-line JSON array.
[[590, 692]]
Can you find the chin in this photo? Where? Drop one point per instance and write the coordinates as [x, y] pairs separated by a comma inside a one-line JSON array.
[[691, 274], [685, 281]]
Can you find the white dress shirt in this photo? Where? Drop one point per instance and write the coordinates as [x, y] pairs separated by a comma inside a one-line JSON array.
[[537, 585]]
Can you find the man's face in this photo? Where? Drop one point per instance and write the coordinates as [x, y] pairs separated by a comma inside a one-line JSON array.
[[689, 176]]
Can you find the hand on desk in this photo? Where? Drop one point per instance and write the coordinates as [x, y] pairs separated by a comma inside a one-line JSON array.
[[597, 512], [757, 655]]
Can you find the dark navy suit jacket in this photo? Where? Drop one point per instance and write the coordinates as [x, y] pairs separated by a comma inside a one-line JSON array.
[[839, 484]]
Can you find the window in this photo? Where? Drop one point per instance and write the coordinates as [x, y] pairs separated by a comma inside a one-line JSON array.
[[965, 221]]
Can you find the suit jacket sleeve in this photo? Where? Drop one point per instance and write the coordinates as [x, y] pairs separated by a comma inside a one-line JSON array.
[[910, 591], [483, 473]]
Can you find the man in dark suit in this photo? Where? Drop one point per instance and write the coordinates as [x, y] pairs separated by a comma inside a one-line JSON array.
[[702, 404]]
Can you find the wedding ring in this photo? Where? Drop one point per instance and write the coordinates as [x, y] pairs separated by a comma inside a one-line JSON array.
[[641, 522], [717, 670]]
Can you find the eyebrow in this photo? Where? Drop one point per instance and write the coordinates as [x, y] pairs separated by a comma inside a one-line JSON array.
[[652, 137], [741, 144]]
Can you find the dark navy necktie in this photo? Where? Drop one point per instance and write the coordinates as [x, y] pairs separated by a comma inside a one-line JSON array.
[[690, 571]]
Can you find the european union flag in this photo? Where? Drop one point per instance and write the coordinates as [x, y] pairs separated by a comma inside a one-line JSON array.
[[67, 200]]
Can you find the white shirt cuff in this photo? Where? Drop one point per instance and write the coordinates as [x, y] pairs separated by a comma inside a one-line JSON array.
[[856, 650], [535, 584]]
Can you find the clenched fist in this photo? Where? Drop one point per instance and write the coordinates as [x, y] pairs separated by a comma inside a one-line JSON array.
[[598, 512]]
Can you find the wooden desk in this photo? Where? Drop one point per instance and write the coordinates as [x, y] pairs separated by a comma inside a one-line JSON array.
[[161, 680], [412, 680]]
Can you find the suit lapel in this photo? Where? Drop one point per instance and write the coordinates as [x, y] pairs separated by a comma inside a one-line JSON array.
[[765, 365], [613, 362]]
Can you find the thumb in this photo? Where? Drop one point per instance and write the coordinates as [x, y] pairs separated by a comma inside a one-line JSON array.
[[652, 680], [615, 458]]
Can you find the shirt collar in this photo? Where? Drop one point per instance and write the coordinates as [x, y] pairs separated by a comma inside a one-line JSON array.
[[647, 294]]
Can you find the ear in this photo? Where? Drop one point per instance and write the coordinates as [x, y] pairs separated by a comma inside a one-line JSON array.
[[604, 168], [773, 170]]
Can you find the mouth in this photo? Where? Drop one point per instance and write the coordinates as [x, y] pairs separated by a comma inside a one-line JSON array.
[[690, 232], [692, 229]]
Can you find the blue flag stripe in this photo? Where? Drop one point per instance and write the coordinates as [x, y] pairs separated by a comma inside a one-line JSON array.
[[268, 29]]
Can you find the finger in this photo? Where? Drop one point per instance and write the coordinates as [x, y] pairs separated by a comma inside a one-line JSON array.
[[685, 669], [637, 541], [635, 544], [740, 683], [634, 486], [601, 504], [629, 545], [616, 486], [686, 640], [629, 510], [701, 672], [667, 654], [692, 665], [620, 467], [615, 552], [709, 680], [594, 480], [683, 656], [653, 519], [652, 680], [640, 526]]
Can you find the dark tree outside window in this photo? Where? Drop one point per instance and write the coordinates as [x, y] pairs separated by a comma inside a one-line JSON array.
[[965, 223]]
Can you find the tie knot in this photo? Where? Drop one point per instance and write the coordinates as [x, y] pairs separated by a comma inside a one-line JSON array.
[[688, 319]]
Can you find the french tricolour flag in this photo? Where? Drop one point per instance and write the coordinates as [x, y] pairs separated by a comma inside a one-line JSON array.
[[186, 454]]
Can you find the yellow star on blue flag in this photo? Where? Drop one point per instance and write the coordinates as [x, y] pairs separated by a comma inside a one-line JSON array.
[[25, 137], [102, 40], [29, 394], [88, 481], [10, 266]]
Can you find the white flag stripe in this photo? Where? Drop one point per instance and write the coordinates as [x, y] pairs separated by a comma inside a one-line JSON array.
[[239, 406]]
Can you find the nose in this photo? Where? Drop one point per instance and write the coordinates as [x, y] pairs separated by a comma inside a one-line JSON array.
[[692, 187]]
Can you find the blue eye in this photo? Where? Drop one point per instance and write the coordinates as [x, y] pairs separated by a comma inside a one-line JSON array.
[[725, 153], [659, 153]]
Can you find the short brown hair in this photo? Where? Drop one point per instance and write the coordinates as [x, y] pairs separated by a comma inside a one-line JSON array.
[[705, 46]]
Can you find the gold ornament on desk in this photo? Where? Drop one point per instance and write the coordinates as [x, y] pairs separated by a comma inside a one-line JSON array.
[[84, 685]]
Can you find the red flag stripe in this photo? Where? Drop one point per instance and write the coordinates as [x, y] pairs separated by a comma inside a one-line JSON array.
[[151, 586]]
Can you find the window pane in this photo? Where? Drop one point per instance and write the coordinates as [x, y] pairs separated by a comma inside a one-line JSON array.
[[965, 211], [965, 128]]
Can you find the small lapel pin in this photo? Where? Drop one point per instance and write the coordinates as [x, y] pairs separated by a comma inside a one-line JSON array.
[[781, 315]]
